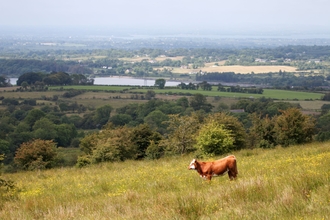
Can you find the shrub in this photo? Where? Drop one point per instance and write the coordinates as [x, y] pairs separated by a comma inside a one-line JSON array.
[[7, 187], [111, 144], [232, 124], [83, 161], [214, 139], [36, 154], [154, 151]]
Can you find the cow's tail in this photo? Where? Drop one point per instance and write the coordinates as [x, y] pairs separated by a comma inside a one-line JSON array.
[[235, 162], [235, 166]]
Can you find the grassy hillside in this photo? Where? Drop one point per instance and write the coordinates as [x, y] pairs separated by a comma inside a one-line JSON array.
[[283, 183]]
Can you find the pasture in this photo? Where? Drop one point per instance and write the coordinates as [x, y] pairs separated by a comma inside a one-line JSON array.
[[281, 183]]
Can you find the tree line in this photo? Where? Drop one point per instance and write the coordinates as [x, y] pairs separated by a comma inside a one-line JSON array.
[[39, 80], [154, 129]]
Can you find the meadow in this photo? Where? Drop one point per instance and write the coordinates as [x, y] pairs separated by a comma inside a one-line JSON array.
[[281, 183]]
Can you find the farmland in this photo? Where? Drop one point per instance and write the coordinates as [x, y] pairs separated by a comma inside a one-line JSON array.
[[268, 93], [210, 67], [119, 96], [166, 189]]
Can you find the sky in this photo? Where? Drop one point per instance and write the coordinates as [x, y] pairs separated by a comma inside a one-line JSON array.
[[209, 16]]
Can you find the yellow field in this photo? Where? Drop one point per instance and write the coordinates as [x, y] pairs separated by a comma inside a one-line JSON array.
[[210, 67]]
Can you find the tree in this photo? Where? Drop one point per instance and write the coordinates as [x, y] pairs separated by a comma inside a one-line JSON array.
[[205, 86], [30, 78], [65, 133], [120, 119], [199, 102], [262, 133], [36, 154], [214, 139], [160, 83], [150, 94], [142, 136], [4, 81], [183, 102], [155, 120], [4, 147], [102, 114], [64, 107], [111, 144], [292, 127], [33, 116], [24, 85], [44, 129], [58, 78], [323, 125], [181, 133], [6, 126], [233, 125]]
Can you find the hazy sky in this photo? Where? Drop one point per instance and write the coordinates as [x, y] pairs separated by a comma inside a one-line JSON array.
[[216, 15]]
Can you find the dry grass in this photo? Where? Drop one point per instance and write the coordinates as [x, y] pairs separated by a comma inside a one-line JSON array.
[[283, 183]]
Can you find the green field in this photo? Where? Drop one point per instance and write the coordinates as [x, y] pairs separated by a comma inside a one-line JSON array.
[[268, 93], [282, 183], [119, 96]]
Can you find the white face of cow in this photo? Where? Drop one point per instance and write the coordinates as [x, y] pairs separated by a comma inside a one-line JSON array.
[[192, 165]]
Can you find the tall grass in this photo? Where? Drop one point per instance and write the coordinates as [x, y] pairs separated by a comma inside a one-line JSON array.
[[283, 183]]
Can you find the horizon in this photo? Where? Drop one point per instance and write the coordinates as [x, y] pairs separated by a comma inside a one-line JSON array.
[[160, 33], [294, 18]]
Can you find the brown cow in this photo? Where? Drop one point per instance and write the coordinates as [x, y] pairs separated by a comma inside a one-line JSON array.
[[215, 168]]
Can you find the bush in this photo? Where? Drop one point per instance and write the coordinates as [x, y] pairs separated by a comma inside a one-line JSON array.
[[234, 126], [36, 154], [83, 161], [106, 152], [214, 139], [7, 188], [154, 151]]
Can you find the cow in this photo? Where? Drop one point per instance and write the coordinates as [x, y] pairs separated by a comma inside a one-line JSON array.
[[207, 170]]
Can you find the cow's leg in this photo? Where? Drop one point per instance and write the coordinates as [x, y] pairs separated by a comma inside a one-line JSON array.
[[209, 177], [231, 175]]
